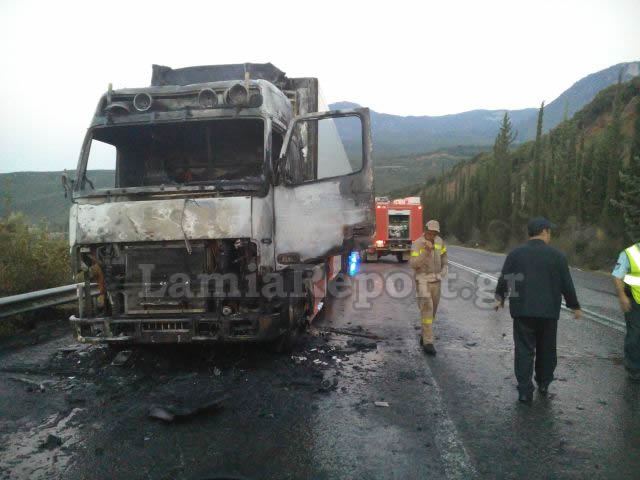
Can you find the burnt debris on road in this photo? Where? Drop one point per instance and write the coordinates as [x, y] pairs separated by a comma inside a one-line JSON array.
[[355, 398]]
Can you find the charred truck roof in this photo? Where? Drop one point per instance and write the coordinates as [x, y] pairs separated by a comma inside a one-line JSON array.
[[208, 92]]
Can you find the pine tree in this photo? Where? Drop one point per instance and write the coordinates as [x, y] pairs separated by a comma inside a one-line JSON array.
[[543, 187], [536, 190], [613, 151], [572, 176], [590, 203], [629, 202], [563, 153], [581, 185], [516, 202], [502, 167], [557, 174]]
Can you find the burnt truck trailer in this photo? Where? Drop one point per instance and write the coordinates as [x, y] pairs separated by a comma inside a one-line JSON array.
[[230, 203]]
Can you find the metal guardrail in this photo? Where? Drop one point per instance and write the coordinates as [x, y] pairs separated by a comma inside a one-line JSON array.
[[26, 302]]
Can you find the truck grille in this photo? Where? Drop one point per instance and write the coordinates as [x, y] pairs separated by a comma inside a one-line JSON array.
[[165, 326], [161, 279]]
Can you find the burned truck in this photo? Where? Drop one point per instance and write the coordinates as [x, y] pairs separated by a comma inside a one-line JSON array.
[[229, 205]]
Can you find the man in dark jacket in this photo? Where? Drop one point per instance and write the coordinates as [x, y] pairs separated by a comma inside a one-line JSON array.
[[535, 277]]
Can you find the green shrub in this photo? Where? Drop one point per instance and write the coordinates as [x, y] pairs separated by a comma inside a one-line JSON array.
[[498, 235], [31, 257], [587, 246], [601, 253]]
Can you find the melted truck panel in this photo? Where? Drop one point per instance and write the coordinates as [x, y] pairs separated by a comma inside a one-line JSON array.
[[163, 220], [309, 231]]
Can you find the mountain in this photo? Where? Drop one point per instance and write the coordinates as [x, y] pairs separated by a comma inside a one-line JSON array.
[[395, 135], [579, 174], [575, 97]]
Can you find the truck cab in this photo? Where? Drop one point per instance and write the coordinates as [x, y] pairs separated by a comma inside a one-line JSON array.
[[225, 205]]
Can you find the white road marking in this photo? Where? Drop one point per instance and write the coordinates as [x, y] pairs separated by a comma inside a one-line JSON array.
[[590, 314], [455, 459]]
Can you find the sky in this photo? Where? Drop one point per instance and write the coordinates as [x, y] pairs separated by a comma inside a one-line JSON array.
[[405, 58]]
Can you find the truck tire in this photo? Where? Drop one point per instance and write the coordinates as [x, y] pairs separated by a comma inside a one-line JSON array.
[[287, 340], [293, 318], [284, 343], [344, 264]]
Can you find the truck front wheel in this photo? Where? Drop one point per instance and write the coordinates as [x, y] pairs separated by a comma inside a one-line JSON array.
[[293, 317], [287, 340]]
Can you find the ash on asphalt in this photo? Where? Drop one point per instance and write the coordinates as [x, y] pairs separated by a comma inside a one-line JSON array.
[[122, 392], [187, 375], [236, 410]]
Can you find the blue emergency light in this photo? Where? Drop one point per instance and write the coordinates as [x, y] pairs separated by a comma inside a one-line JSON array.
[[354, 263]]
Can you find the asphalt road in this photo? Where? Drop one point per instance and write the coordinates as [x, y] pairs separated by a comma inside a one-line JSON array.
[[596, 291], [70, 413]]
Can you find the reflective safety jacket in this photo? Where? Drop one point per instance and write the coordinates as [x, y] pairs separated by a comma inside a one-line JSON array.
[[428, 260], [633, 277]]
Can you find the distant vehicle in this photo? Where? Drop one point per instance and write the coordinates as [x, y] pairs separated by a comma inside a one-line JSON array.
[[398, 223], [234, 202]]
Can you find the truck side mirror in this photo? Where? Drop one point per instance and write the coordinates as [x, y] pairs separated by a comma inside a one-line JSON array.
[[275, 168], [67, 185]]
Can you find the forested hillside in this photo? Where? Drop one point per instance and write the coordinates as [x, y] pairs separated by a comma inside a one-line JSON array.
[[584, 175], [398, 173], [40, 196]]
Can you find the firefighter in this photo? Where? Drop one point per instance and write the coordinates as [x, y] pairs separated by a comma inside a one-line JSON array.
[[429, 260], [626, 276]]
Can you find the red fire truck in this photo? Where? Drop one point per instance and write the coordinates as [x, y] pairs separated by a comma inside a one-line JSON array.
[[398, 223]]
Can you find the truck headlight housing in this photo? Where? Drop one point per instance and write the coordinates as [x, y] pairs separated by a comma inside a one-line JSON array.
[[237, 95], [207, 98], [379, 243], [142, 102]]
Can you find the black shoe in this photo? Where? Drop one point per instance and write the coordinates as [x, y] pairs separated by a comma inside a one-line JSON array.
[[526, 398], [429, 349], [543, 389]]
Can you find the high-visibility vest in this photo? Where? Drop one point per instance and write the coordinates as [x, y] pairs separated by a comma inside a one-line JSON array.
[[440, 247], [633, 277]]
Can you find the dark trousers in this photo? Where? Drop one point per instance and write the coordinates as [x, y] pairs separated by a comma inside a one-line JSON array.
[[534, 338], [632, 339]]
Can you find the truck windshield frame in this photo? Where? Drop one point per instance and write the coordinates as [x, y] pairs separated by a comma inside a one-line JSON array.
[[184, 174]]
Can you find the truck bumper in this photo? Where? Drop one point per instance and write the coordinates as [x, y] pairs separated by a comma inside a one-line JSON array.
[[375, 253], [245, 327]]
